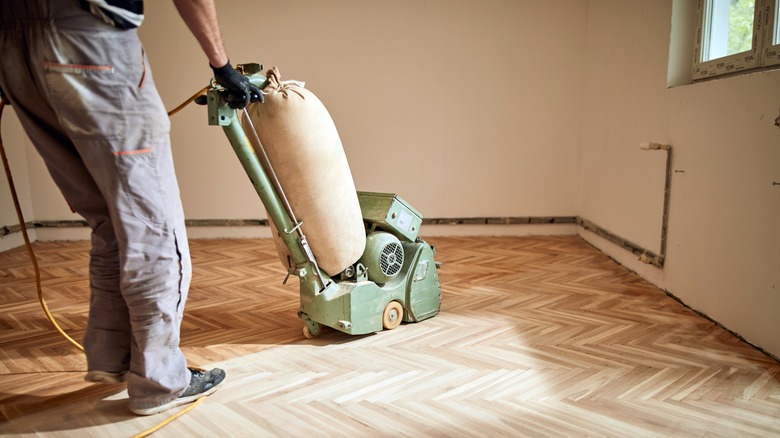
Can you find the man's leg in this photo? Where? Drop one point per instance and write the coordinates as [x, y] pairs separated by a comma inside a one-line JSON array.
[[91, 87], [105, 99], [108, 333]]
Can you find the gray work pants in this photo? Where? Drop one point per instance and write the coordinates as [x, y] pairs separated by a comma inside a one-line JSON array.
[[85, 95]]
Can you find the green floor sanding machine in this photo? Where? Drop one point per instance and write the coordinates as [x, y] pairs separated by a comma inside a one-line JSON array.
[[394, 281]]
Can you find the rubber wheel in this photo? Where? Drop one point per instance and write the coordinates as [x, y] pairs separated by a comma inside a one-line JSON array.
[[392, 316], [307, 333]]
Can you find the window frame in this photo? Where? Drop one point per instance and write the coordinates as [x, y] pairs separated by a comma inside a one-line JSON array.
[[771, 52], [764, 52]]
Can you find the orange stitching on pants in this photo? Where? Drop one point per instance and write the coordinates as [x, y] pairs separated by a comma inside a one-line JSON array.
[[140, 151], [80, 66]]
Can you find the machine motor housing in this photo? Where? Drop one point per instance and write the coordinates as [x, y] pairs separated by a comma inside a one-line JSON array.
[[383, 257]]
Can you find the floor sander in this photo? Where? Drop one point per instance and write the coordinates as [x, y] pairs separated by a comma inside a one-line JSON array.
[[395, 278]]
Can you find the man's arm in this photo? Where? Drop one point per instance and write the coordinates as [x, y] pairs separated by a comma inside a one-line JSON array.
[[201, 18]]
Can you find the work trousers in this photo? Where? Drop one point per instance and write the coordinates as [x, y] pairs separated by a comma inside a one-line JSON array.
[[85, 95]]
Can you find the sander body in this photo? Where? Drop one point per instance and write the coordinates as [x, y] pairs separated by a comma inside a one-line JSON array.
[[394, 280]]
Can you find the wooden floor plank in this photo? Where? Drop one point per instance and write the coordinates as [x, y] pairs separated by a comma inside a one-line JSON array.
[[538, 336]]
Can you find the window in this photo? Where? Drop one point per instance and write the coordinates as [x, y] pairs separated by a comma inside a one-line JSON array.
[[736, 35], [771, 54]]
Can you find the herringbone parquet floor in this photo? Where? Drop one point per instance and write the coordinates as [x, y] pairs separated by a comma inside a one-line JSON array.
[[539, 336]]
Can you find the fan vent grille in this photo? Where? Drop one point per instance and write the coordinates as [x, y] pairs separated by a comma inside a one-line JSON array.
[[392, 259]]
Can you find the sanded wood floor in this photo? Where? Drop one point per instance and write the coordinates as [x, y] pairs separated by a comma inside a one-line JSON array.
[[540, 336]]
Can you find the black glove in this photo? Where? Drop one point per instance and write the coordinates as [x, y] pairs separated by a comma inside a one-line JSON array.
[[240, 90]]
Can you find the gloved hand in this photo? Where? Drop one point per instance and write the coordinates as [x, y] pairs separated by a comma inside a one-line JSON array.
[[240, 90]]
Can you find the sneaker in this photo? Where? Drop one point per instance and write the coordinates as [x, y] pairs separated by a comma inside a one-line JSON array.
[[96, 376], [202, 384]]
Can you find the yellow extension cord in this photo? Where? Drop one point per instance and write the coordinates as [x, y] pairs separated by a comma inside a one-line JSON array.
[[34, 260]]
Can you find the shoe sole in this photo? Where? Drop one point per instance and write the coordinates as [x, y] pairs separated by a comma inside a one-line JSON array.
[[177, 401]]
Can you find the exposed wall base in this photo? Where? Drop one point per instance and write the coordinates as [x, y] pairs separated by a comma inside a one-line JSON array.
[[10, 236], [466, 226], [514, 220], [5, 230], [644, 254]]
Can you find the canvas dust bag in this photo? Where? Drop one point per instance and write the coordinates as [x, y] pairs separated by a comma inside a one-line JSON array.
[[304, 148]]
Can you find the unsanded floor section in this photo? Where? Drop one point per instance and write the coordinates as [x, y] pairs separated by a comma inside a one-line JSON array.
[[541, 336]]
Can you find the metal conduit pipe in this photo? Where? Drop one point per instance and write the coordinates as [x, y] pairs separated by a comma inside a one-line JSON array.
[[645, 255]]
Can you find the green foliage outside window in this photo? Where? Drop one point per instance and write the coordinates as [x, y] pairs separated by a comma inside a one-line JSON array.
[[741, 25]]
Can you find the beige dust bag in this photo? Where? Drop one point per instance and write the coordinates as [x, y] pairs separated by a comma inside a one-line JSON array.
[[305, 150]]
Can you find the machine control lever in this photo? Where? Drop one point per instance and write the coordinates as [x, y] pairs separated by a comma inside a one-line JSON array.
[[236, 100]]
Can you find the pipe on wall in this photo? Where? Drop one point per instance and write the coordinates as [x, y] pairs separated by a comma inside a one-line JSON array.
[[645, 255]]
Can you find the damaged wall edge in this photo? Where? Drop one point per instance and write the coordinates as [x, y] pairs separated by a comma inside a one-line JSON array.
[[644, 254], [511, 220], [508, 220], [10, 229]]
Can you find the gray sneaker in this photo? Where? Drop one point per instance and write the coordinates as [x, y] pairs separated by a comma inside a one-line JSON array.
[[202, 384]]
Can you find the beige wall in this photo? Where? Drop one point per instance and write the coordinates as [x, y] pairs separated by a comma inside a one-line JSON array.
[[463, 108], [724, 246]]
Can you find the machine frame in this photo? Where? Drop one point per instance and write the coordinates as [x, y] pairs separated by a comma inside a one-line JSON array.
[[351, 302]]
